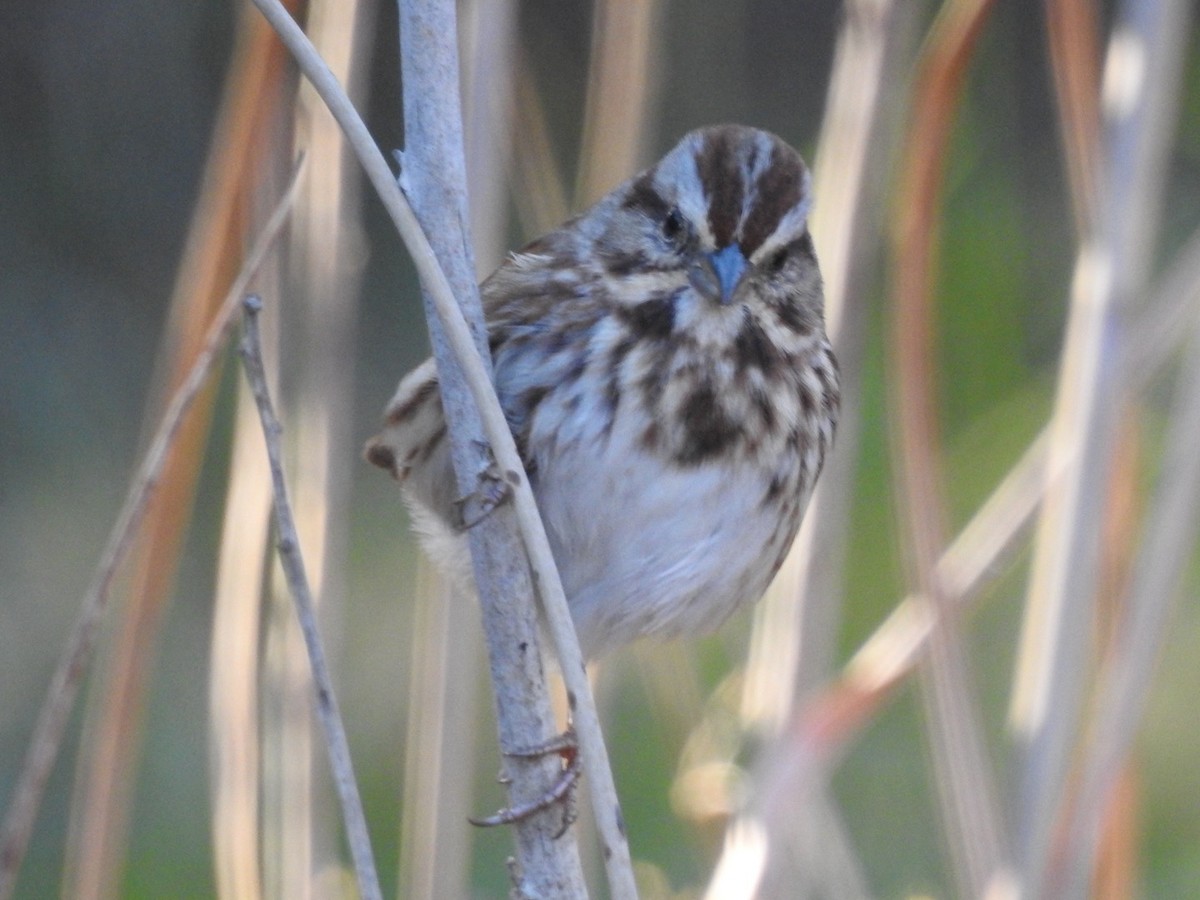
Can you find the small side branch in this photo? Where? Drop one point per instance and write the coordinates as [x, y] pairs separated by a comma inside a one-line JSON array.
[[293, 567]]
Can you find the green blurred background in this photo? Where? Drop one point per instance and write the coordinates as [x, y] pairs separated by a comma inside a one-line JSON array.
[[105, 114]]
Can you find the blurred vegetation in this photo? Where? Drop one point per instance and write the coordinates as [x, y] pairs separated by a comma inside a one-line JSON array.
[[104, 125]]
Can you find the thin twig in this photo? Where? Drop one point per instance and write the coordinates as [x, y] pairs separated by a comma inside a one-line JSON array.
[[292, 560], [606, 807], [47, 737]]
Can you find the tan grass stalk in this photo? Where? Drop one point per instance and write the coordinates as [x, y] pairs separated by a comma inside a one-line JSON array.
[[538, 187], [292, 560], [233, 664], [621, 83], [106, 766], [442, 740], [48, 734]]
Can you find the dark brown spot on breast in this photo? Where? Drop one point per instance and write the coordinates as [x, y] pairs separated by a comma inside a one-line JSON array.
[[652, 319], [774, 490], [766, 411], [618, 353], [650, 437], [752, 347], [612, 399], [808, 403], [578, 366], [707, 427], [531, 398], [792, 316]]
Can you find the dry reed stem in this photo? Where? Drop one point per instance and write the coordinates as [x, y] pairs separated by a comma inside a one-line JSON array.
[[433, 176], [233, 700], [621, 82], [965, 782], [489, 49], [1140, 92], [325, 257], [538, 187], [1124, 680], [977, 556], [110, 754], [64, 687], [443, 737], [1074, 39]]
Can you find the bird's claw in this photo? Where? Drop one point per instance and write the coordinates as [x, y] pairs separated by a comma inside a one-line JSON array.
[[491, 490], [562, 791]]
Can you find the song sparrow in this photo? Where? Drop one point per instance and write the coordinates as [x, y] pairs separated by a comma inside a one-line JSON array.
[[663, 364]]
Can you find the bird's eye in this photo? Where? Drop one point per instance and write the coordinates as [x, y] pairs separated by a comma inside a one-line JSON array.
[[777, 261], [673, 225]]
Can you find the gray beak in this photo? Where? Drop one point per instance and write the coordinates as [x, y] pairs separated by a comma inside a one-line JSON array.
[[717, 274]]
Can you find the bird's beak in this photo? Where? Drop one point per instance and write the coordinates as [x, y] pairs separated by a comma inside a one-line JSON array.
[[717, 275]]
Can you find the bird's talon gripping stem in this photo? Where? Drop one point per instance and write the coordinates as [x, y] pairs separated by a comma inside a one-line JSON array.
[[491, 490], [562, 792]]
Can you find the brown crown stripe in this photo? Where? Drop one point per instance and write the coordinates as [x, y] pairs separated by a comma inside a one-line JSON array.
[[643, 196], [776, 193], [721, 179]]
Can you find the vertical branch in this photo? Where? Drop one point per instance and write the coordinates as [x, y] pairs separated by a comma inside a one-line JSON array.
[[964, 780], [434, 179], [1140, 89], [233, 698], [324, 260], [445, 732]]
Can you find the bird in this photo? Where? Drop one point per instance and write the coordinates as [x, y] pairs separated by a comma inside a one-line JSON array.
[[662, 361]]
